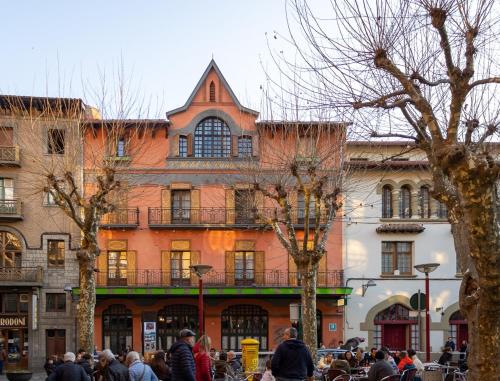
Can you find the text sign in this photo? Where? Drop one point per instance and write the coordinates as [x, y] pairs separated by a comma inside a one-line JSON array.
[[332, 327], [13, 321]]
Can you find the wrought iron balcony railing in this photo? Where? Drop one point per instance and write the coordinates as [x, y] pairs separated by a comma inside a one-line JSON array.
[[21, 275], [9, 156], [121, 218], [269, 278], [10, 209], [164, 217]]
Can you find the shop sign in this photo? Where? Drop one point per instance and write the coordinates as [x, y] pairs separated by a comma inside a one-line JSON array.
[[13, 321], [332, 327], [149, 336]]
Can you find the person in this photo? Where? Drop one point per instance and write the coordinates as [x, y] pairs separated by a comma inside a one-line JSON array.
[[233, 362], [397, 357], [390, 359], [223, 370], [416, 362], [341, 343], [160, 367], [68, 370], [380, 369], [359, 356], [181, 357], [50, 366], [268, 374], [292, 359], [464, 348], [202, 359], [450, 343], [446, 356], [350, 359], [86, 361], [137, 370], [112, 369], [341, 363], [405, 362], [3, 358], [325, 361], [79, 354]]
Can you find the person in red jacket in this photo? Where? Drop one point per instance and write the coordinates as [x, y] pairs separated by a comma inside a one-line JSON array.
[[202, 359], [405, 361]]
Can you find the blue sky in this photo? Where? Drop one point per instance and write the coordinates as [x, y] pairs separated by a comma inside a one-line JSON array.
[[51, 46]]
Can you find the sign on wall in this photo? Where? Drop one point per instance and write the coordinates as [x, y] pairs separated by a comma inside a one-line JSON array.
[[332, 327], [149, 336]]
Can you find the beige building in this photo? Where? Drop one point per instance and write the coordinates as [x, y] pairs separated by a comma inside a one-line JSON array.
[[37, 241]]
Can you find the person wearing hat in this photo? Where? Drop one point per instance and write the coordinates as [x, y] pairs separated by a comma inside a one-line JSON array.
[[69, 370], [181, 355]]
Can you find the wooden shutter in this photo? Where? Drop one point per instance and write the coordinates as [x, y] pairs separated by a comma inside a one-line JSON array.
[[131, 268], [292, 199], [165, 268], [322, 276], [175, 146], [195, 260], [259, 268], [166, 206], [189, 144], [195, 206], [102, 265], [230, 268], [255, 145], [234, 145], [230, 212], [292, 271]]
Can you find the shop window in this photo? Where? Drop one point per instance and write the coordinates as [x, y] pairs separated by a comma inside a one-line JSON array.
[[55, 138], [117, 328], [55, 253], [212, 139], [55, 302], [172, 319], [242, 321], [396, 256]]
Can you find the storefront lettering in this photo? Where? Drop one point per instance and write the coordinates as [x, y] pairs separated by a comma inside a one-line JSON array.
[[13, 321]]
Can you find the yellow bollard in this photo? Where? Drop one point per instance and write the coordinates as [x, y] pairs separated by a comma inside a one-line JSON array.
[[250, 356]]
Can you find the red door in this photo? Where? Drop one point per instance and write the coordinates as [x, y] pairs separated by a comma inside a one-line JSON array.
[[394, 336], [462, 334]]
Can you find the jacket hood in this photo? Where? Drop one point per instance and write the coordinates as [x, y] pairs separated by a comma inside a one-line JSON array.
[[178, 344], [294, 344]]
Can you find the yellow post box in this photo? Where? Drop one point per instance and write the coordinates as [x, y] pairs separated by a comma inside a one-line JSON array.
[[250, 355]]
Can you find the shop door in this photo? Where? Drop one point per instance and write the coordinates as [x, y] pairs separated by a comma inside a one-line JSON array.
[[394, 336], [56, 341]]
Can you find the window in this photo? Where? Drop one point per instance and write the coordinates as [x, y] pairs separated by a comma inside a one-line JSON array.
[[244, 265], [12, 303], [425, 205], [183, 146], [56, 302], [245, 146], [10, 250], [405, 202], [301, 209], [442, 210], [181, 206], [387, 201], [172, 319], [242, 321], [7, 201], [117, 328], [55, 253], [396, 256], [120, 148], [117, 268], [55, 142], [244, 201], [212, 91], [48, 199], [179, 267], [212, 138]]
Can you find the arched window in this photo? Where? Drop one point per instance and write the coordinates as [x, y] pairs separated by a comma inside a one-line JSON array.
[[393, 328], [405, 202], [242, 321], [10, 250], [387, 201], [442, 210], [424, 201], [212, 91], [172, 319], [117, 328], [212, 138], [458, 328]]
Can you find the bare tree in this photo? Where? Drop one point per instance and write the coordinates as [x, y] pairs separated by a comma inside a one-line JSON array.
[[427, 71]]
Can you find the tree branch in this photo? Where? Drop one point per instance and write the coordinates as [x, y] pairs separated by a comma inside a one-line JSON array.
[[484, 82]]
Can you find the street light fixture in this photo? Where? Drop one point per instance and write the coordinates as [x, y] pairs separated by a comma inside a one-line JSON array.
[[364, 286], [200, 270], [427, 268]]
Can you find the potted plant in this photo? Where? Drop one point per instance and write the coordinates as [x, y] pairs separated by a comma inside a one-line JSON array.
[[19, 375]]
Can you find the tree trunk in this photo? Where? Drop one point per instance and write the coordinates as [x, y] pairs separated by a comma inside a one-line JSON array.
[[86, 304], [309, 324]]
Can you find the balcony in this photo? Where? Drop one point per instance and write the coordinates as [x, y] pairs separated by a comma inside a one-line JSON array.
[[188, 218], [9, 157], [10, 210], [218, 279], [121, 219], [20, 276]]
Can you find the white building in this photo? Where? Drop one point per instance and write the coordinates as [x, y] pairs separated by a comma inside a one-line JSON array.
[[391, 225]]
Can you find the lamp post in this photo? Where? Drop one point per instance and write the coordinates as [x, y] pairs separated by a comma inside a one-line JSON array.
[[427, 268], [200, 270], [68, 289]]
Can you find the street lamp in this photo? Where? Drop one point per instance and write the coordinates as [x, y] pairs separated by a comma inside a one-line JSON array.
[[200, 270], [364, 286], [427, 268]]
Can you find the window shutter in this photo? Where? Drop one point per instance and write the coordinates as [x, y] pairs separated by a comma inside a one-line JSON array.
[[102, 265], [292, 271], [166, 206], [292, 199], [259, 268], [255, 145], [234, 148], [230, 268], [190, 144], [322, 275], [195, 260], [165, 268], [175, 146], [230, 212], [131, 267], [195, 206]]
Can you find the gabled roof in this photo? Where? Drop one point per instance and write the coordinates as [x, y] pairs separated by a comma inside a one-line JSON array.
[[212, 65]]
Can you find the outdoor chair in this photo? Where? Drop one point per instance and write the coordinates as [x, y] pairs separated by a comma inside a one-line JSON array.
[[460, 376], [333, 373], [432, 375], [343, 377], [392, 377], [409, 374]]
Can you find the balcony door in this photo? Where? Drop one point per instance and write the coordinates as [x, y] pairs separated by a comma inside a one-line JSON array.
[[10, 250], [6, 136], [7, 202], [244, 265], [181, 206], [244, 202], [117, 268]]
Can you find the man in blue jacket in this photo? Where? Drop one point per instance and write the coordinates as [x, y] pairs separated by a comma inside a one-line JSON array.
[[292, 360], [181, 357]]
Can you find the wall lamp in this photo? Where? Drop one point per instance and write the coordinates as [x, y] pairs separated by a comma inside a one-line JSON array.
[[364, 286]]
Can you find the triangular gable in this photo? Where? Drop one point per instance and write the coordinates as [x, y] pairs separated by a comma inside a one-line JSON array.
[[212, 65]]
